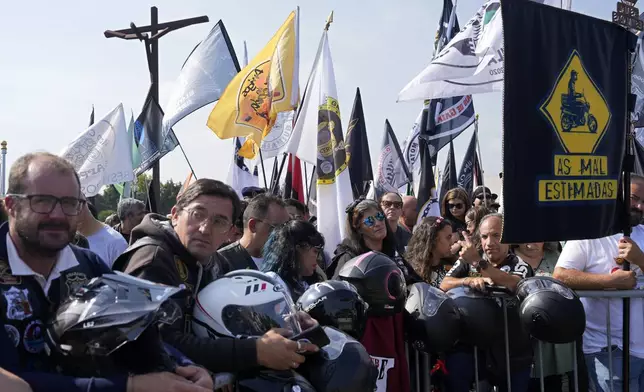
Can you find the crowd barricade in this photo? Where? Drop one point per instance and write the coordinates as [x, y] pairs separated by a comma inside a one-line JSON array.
[[420, 362]]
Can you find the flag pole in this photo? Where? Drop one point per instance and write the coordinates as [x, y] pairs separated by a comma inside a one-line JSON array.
[[276, 181], [261, 161], [308, 194], [186, 157], [329, 20], [306, 178], [478, 148], [3, 186]]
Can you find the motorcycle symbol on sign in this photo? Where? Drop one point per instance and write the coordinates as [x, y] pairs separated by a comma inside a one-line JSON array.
[[575, 109]]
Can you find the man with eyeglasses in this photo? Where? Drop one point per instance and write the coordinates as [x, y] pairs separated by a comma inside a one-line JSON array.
[[182, 251], [39, 268], [264, 212]]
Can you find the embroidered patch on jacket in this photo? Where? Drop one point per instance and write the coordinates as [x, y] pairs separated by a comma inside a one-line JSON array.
[[18, 306]]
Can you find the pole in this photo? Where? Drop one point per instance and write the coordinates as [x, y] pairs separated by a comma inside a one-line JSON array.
[[261, 160], [306, 178], [311, 185], [279, 174], [478, 147], [156, 30], [3, 186], [188, 160], [628, 167]]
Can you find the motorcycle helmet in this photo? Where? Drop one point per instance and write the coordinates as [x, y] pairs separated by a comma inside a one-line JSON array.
[[432, 319], [481, 316], [243, 303], [116, 315], [274, 381], [550, 311], [379, 282], [342, 366], [337, 304]]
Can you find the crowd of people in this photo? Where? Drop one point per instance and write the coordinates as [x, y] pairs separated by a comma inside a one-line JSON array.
[[54, 244]]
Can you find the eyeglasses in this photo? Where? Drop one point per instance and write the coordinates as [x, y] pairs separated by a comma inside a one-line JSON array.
[[395, 204], [201, 217], [370, 221], [45, 204], [456, 206]]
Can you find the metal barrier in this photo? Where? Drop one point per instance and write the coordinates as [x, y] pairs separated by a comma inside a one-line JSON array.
[[420, 375]]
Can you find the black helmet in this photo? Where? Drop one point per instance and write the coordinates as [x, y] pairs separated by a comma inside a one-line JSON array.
[[481, 316], [274, 381], [550, 311], [336, 304], [110, 313], [342, 365], [379, 282], [432, 319]]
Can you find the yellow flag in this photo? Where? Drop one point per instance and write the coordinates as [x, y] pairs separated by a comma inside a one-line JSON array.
[[266, 86]]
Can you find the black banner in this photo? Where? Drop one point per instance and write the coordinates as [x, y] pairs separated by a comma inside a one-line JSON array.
[[564, 119], [357, 148]]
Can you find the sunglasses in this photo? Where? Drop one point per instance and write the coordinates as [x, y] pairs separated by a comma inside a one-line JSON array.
[[456, 206], [370, 221], [395, 204]]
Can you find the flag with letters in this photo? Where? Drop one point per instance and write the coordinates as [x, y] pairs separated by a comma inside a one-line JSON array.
[[564, 124]]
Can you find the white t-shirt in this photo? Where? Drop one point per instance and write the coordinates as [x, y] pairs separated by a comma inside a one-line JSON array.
[[258, 262], [108, 244], [598, 257]]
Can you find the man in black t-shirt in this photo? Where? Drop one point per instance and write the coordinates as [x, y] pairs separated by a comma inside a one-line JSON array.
[[501, 268]]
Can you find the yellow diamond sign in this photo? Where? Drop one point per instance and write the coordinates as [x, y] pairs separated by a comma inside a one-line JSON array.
[[576, 109]]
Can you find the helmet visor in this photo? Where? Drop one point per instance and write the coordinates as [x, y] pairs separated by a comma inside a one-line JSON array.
[[543, 283], [433, 300], [256, 320]]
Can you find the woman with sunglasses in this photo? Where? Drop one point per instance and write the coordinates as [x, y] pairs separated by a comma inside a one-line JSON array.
[[454, 206], [291, 252], [368, 230]]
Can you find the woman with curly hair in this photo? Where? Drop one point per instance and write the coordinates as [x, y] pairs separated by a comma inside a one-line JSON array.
[[430, 243], [454, 206], [291, 252]]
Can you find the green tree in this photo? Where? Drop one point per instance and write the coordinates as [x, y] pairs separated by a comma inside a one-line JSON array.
[[109, 199]]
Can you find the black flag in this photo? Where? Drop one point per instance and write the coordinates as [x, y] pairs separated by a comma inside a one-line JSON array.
[[357, 149], [148, 137], [469, 166], [449, 175], [564, 120]]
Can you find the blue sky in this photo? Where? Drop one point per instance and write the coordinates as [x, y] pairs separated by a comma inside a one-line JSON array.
[[53, 74]]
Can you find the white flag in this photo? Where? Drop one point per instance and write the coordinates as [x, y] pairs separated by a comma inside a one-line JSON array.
[[322, 144], [203, 78], [411, 148], [456, 69], [239, 172], [101, 154], [306, 123]]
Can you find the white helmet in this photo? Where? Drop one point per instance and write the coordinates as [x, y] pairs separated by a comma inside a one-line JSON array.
[[243, 303]]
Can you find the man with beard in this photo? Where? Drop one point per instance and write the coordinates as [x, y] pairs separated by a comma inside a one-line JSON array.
[[39, 268], [597, 265]]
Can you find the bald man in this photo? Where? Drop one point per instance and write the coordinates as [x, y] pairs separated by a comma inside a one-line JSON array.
[[409, 213]]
